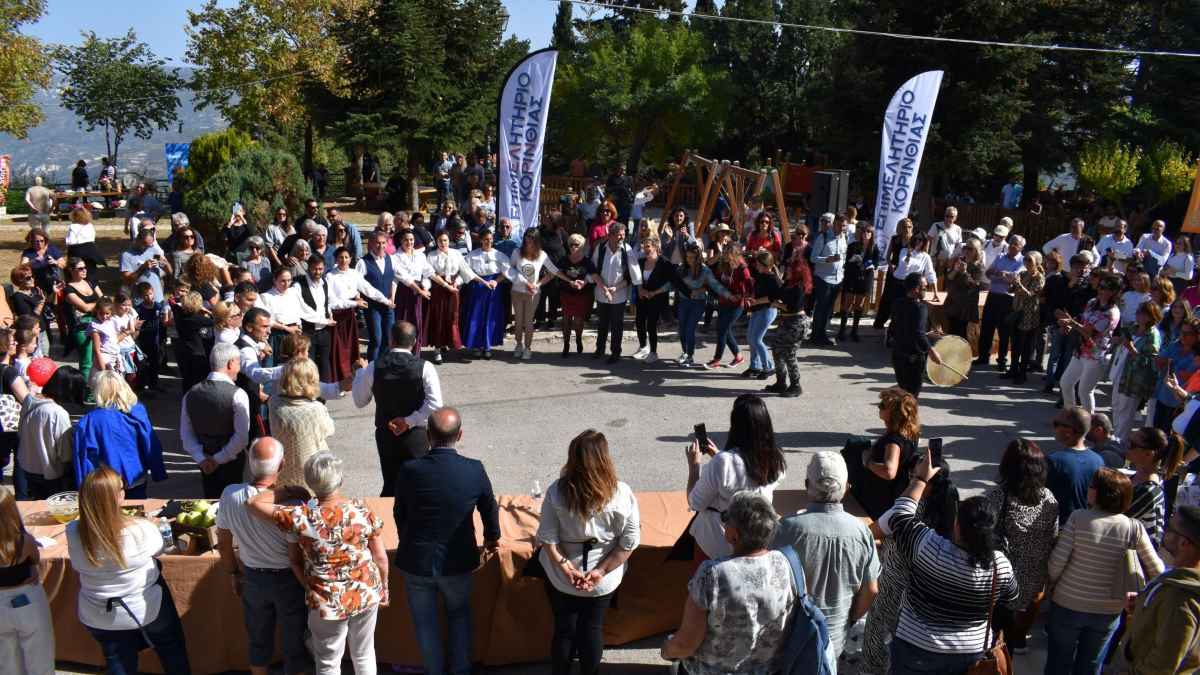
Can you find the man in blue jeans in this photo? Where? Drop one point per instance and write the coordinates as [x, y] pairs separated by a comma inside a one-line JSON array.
[[828, 257], [436, 497]]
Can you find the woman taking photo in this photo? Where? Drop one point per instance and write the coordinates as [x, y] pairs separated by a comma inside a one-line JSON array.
[[123, 601], [733, 274], [1094, 327], [946, 621], [862, 258], [588, 529], [345, 565], [28, 635], [891, 284], [348, 291], [658, 275], [118, 434], [484, 305], [525, 273], [965, 282], [887, 462], [46, 261], [299, 419], [1027, 296], [1027, 517], [751, 461], [450, 272], [1135, 367], [675, 233], [695, 279], [80, 296], [577, 295], [736, 613], [1089, 555], [764, 236], [762, 313], [1181, 357]]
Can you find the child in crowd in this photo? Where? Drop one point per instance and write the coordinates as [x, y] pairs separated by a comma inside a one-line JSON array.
[[154, 317], [114, 332], [24, 348]]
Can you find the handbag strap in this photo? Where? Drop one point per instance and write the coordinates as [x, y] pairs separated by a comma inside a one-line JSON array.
[[987, 634]]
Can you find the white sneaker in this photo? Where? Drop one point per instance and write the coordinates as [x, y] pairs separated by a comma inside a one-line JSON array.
[[527, 354], [651, 357], [518, 352], [641, 353], [683, 359]]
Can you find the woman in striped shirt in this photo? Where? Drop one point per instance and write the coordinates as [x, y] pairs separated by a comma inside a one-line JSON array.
[[1152, 458], [944, 617], [1085, 561]]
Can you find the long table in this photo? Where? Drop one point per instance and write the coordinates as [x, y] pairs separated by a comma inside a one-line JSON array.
[[512, 618]]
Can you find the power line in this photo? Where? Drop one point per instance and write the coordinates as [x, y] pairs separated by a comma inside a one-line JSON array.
[[872, 33], [199, 92]]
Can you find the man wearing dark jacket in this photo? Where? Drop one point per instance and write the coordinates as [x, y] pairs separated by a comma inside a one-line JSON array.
[[437, 495], [1164, 634], [910, 339]]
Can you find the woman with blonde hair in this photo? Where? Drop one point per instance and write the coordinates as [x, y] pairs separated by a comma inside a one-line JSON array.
[[590, 525], [123, 601], [1027, 297], [886, 464], [118, 434], [26, 631], [299, 420]]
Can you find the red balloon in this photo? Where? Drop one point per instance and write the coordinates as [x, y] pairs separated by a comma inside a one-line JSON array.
[[40, 370]]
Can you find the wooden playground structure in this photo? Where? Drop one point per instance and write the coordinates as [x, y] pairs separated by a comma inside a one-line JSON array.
[[714, 177]]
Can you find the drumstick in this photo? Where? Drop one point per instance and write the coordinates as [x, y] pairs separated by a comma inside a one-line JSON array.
[[952, 369]]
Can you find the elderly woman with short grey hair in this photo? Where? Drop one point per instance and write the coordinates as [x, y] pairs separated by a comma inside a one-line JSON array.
[[345, 566], [735, 616]]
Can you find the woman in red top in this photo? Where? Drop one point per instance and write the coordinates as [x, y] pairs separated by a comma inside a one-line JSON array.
[[606, 216], [765, 237], [734, 275]]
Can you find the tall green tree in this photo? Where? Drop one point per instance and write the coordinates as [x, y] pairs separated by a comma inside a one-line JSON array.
[[25, 65], [562, 36], [425, 94], [649, 91], [120, 85]]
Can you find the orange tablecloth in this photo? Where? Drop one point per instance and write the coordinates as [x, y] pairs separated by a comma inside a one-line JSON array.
[[512, 618]]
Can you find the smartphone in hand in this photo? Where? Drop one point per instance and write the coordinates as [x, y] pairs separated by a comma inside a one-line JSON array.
[[701, 433], [935, 451]]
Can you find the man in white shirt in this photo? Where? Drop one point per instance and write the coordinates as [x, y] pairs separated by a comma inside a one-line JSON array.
[[829, 260], [1067, 244], [214, 422], [406, 390], [998, 244], [1153, 249], [643, 197], [1117, 247], [945, 239], [260, 570], [617, 272], [1107, 224], [40, 201]]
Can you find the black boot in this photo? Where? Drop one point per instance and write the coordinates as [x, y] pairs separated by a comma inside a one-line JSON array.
[[841, 336], [578, 344], [566, 345], [793, 391], [854, 330]]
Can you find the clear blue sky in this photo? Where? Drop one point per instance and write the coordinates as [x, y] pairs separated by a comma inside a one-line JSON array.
[[160, 23]]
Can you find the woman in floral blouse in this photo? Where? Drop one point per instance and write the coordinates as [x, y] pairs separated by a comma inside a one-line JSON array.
[[1027, 295], [345, 566], [1135, 373]]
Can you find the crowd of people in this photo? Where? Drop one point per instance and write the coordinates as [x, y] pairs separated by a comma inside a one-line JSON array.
[[303, 310]]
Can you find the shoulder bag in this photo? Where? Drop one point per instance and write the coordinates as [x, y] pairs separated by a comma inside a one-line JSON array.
[[994, 660], [1129, 577]]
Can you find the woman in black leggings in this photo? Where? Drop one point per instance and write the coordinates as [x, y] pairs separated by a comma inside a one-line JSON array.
[[657, 276]]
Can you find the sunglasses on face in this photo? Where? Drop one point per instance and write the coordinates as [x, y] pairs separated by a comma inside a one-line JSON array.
[[80, 268]]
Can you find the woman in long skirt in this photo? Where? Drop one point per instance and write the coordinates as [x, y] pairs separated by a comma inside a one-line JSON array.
[[346, 288], [412, 287], [450, 271], [483, 306]]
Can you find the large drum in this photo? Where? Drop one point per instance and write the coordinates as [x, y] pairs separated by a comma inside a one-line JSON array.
[[956, 361]]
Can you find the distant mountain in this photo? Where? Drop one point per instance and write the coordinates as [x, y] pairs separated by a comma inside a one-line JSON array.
[[53, 147]]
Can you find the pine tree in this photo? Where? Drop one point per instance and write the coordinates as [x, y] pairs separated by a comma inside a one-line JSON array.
[[563, 36]]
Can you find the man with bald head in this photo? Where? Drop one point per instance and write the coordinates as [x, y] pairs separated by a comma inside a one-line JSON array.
[[436, 498], [260, 570]]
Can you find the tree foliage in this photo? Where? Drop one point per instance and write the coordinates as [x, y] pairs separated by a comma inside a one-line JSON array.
[[1167, 170], [562, 37], [25, 65], [648, 90], [209, 152], [120, 85], [261, 178], [1110, 168]]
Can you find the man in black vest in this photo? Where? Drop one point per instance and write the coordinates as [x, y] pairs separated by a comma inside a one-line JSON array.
[[910, 335], [406, 390], [214, 422], [315, 292]]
